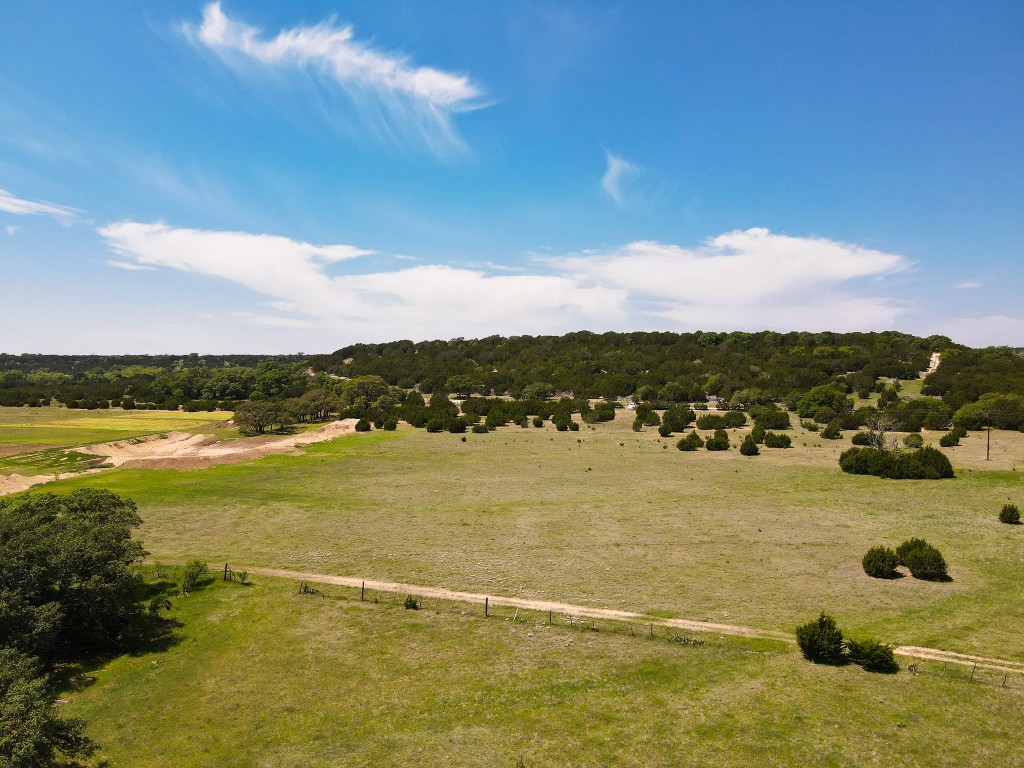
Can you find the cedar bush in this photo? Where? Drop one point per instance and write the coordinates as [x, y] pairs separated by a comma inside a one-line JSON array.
[[1009, 514], [908, 546], [832, 431], [821, 641], [913, 441], [479, 429], [538, 421], [862, 438], [810, 426], [949, 440], [775, 440], [720, 442], [927, 564], [749, 447], [757, 433], [690, 442], [880, 563], [872, 656]]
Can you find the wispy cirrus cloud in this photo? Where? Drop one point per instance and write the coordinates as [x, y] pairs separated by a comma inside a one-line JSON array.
[[398, 100], [618, 175], [19, 207], [748, 279], [968, 285]]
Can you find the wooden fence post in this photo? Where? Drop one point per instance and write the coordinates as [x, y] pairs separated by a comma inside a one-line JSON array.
[[362, 592], [487, 607], [225, 571]]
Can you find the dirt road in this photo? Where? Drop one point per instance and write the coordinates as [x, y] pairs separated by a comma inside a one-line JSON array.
[[583, 611]]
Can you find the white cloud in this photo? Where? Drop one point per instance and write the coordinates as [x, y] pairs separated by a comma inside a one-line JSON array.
[[993, 330], [969, 284], [618, 174], [11, 229], [129, 265], [745, 279], [11, 204], [421, 301], [751, 279], [417, 102]]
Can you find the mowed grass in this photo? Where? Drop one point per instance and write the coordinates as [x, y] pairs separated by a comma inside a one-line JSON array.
[[34, 428], [611, 518], [261, 676]]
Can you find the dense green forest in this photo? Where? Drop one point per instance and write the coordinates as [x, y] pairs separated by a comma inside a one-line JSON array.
[[545, 376]]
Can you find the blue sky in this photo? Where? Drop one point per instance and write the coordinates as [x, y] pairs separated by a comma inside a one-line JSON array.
[[284, 177]]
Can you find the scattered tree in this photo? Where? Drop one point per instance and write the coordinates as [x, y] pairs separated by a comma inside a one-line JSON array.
[[821, 641], [880, 563], [1009, 514]]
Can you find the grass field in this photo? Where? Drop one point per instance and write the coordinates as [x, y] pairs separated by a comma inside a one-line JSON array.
[[261, 676], [61, 427], [613, 519]]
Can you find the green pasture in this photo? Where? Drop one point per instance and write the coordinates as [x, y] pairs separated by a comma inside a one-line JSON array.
[[261, 676], [25, 429], [611, 518]]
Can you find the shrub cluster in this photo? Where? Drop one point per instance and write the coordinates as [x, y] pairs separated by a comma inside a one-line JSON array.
[[720, 442], [769, 417], [832, 431], [691, 442], [1009, 514], [923, 560], [913, 441], [821, 641], [923, 464], [949, 440], [749, 447], [728, 420], [775, 440], [862, 438], [880, 563]]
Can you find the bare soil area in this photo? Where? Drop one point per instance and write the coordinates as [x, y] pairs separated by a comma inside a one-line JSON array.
[[183, 450]]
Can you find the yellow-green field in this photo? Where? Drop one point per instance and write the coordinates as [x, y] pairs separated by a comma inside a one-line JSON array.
[[603, 517], [261, 676], [63, 427]]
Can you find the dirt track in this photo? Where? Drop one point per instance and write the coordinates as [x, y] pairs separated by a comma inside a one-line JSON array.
[[583, 611]]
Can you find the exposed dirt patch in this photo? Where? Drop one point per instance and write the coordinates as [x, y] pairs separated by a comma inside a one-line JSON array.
[[183, 450], [19, 483], [16, 448]]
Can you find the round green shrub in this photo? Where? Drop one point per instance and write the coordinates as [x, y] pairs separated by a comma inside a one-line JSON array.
[[821, 641], [390, 425], [880, 563], [862, 438], [691, 442], [758, 433], [664, 430], [832, 431], [748, 447], [1009, 514], [777, 440], [913, 441], [927, 563], [949, 440], [720, 442], [479, 429], [872, 655], [824, 415], [538, 421], [363, 425]]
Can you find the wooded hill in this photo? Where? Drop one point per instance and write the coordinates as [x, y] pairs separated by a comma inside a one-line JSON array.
[[743, 368]]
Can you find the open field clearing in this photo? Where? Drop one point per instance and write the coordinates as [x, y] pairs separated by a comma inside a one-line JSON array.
[[262, 676], [24, 429], [615, 519]]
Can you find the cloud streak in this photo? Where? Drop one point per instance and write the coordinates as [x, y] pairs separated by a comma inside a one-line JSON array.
[[746, 279], [619, 173], [19, 207], [391, 94]]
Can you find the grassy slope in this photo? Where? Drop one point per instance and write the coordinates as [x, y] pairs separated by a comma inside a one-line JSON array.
[[262, 676], [66, 428], [611, 518]]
